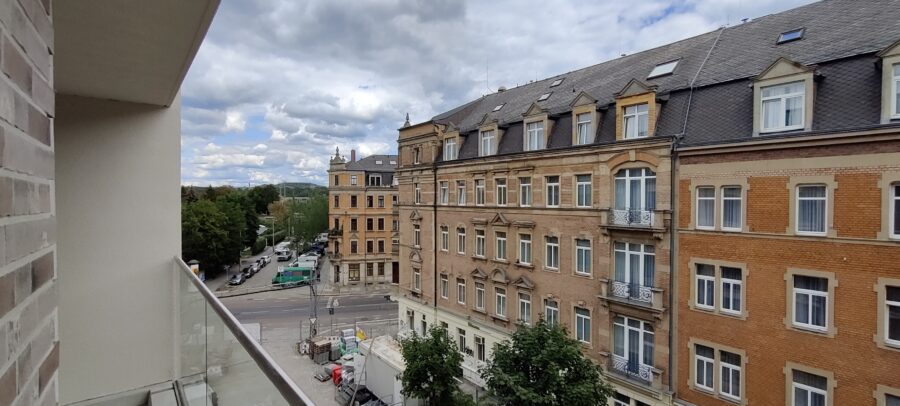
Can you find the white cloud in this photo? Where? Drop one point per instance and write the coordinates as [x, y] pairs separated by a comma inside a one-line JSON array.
[[234, 121]]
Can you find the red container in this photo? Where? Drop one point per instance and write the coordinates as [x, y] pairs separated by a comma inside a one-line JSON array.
[[336, 375]]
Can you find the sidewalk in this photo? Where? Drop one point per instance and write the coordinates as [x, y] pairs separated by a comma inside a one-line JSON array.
[[281, 344], [221, 280]]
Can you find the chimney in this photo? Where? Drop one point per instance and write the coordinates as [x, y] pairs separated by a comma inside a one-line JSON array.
[[501, 89], [352, 155]]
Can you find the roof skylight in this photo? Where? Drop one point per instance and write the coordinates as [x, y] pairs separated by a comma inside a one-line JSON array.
[[663, 69], [498, 107], [378, 162], [557, 82], [544, 96], [791, 35], [393, 162]]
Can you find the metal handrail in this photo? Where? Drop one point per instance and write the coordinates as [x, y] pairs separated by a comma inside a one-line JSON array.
[[288, 389]]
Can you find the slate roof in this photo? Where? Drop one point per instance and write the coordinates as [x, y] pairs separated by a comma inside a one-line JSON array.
[[840, 38], [369, 164]]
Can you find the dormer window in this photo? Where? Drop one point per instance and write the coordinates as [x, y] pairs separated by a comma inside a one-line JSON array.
[[393, 162], [450, 150], [583, 129], [557, 82], [498, 107], [486, 143], [534, 136], [663, 69], [782, 107], [635, 121], [895, 112], [791, 35], [379, 162], [545, 96], [374, 180]]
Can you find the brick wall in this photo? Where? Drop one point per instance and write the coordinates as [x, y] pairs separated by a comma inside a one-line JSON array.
[[29, 347], [767, 207], [860, 197]]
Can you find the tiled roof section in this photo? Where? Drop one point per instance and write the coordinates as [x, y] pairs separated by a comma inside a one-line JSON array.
[[370, 164], [834, 29]]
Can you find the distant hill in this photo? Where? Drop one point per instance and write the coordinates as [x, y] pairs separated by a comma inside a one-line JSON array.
[[300, 189]]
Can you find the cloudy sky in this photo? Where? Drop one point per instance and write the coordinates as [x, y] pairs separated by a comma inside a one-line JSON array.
[[278, 84]]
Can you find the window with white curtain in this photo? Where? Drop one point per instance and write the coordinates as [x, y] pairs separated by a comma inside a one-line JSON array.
[[583, 129], [534, 136], [704, 359], [461, 291], [461, 192], [551, 258], [445, 238], [634, 263], [501, 191], [892, 315], [525, 192], [551, 311], [486, 143], [731, 208], [808, 389], [896, 92], [500, 305], [706, 282], [417, 279], [731, 282], [444, 192], [633, 340], [583, 256], [636, 121], [706, 207], [635, 189], [445, 287], [525, 307], [810, 302], [782, 107], [479, 295], [894, 208], [730, 375], [479, 243], [811, 209], [500, 253], [479, 192], [552, 191], [583, 190], [583, 325], [525, 249], [450, 151], [460, 240]]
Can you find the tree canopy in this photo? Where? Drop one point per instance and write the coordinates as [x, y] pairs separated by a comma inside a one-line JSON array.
[[433, 365], [262, 196], [542, 365]]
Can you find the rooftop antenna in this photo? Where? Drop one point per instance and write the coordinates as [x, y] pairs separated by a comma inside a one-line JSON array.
[[487, 76]]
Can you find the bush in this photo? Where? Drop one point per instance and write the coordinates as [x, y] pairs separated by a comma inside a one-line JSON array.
[[263, 241]]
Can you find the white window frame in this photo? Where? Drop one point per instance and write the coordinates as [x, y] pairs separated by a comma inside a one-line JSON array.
[[525, 308], [480, 348], [461, 291], [584, 322], [583, 190], [709, 282], [445, 286], [501, 186], [740, 211], [809, 389], [895, 90], [373, 178], [636, 116], [624, 175], [781, 116], [729, 284], [708, 363], [461, 192], [353, 180], [644, 328], [500, 245], [445, 238], [417, 279], [486, 142], [500, 301], [418, 193], [461, 240], [797, 216], [706, 199], [417, 152], [525, 251], [417, 235], [479, 243], [582, 253], [887, 317], [811, 293], [479, 192], [551, 311], [450, 151], [583, 129], [725, 367], [525, 192], [534, 136], [551, 252], [644, 256], [552, 191], [479, 296], [444, 192], [892, 209]]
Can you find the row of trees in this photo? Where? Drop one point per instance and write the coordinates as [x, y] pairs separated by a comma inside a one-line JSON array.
[[302, 221], [540, 365]]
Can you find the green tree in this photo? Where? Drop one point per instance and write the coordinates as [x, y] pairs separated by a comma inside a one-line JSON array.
[[308, 219], [262, 196], [204, 235], [542, 365], [433, 365], [234, 226]]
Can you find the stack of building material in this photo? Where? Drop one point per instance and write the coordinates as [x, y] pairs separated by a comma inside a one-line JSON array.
[[320, 350], [348, 341]]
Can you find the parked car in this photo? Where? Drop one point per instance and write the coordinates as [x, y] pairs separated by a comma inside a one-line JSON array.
[[247, 271], [237, 279], [254, 269], [260, 262], [267, 259]]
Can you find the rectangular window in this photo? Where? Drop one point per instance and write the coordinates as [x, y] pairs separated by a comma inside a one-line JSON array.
[[730, 377], [896, 92], [890, 400], [525, 192], [479, 296], [444, 196], [583, 134], [525, 308], [353, 224], [486, 143], [381, 245], [461, 240], [353, 272], [353, 180], [705, 367], [583, 256], [731, 208], [894, 207], [394, 200], [381, 224], [552, 191], [353, 201], [370, 201], [450, 149], [380, 201], [479, 243], [583, 190], [811, 209], [501, 245], [583, 325], [809, 389], [479, 192], [501, 191], [551, 311], [417, 279], [395, 225], [462, 340], [731, 290], [370, 224], [337, 201], [706, 282], [354, 246], [445, 287], [706, 207], [633, 341], [337, 180], [374, 180], [461, 291], [417, 235], [479, 348], [418, 193], [534, 136], [445, 238], [811, 302], [551, 258], [461, 192], [525, 249], [370, 246], [782, 107], [634, 270], [501, 302], [892, 315], [636, 121]]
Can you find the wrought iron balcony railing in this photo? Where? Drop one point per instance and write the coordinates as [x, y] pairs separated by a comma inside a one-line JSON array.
[[632, 217], [335, 232], [631, 291], [631, 369]]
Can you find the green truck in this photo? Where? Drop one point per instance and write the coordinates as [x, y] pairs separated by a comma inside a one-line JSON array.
[[294, 275]]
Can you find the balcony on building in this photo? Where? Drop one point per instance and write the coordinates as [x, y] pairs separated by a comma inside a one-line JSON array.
[[335, 232], [641, 295], [638, 219], [622, 370]]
